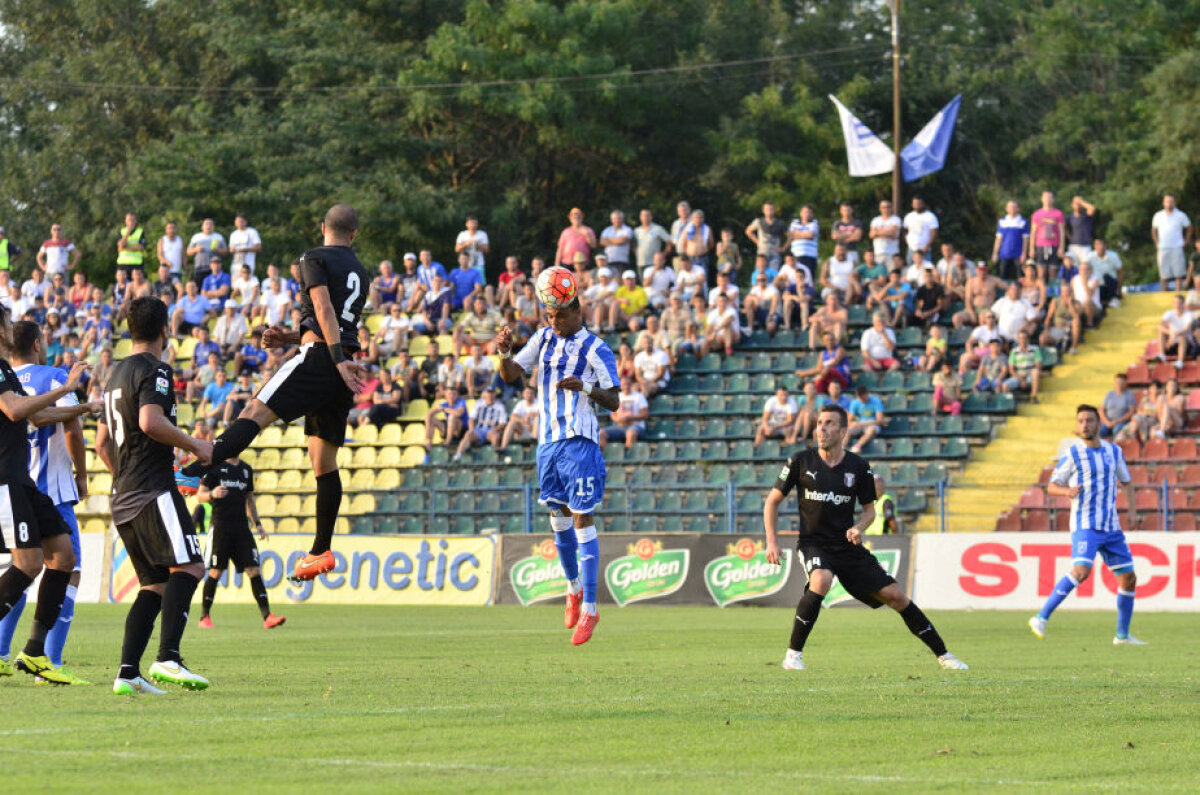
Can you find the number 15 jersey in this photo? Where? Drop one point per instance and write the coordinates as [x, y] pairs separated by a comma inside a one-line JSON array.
[[338, 269], [144, 468]]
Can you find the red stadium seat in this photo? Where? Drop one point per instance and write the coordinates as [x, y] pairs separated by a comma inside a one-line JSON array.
[[1192, 403], [1184, 450], [1179, 499], [1185, 523], [1060, 521], [1032, 498], [1149, 522], [1194, 499], [1140, 473], [1163, 371], [1044, 477], [1059, 503], [1165, 472], [1036, 520], [1155, 450], [1138, 374], [1152, 350], [1122, 503], [1131, 448], [1191, 475], [1190, 374], [1009, 522], [1146, 499]]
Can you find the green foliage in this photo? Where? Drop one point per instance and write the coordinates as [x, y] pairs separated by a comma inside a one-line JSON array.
[[420, 112]]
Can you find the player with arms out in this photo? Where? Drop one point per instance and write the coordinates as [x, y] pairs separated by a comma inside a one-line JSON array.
[[1088, 473], [58, 465], [31, 528], [575, 369], [318, 383], [136, 440], [829, 480], [229, 489]]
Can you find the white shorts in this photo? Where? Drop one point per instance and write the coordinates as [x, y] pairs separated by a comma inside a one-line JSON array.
[[1171, 263]]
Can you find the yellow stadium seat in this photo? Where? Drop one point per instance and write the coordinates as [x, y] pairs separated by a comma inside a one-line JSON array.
[[122, 349], [291, 480], [365, 434], [308, 526], [309, 506], [185, 414], [388, 457], [418, 346], [413, 457], [97, 504], [269, 437], [289, 524], [363, 457], [94, 464], [362, 480], [445, 343], [308, 480], [414, 433], [266, 481], [416, 410], [471, 406], [268, 458], [100, 483], [391, 362], [267, 504], [268, 524], [390, 434], [293, 436], [387, 479], [250, 456], [293, 458], [362, 503], [373, 322], [95, 526], [184, 351], [341, 526], [417, 361], [344, 456], [290, 505]]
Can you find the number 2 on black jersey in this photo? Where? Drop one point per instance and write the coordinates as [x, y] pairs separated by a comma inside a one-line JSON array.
[[352, 284]]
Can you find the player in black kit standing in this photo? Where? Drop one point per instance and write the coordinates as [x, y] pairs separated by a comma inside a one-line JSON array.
[[319, 383], [830, 480], [136, 440], [229, 485]]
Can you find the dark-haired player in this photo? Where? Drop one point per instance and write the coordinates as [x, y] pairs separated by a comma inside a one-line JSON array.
[[136, 440], [31, 529], [57, 465], [575, 369], [320, 381], [830, 480], [1088, 473], [229, 488]]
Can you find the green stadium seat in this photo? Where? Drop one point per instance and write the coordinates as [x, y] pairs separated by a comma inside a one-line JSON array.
[[718, 473], [362, 525], [1002, 404], [976, 426], [928, 447], [740, 404], [413, 524], [667, 475], [687, 404], [891, 381], [662, 404], [714, 429], [857, 315], [712, 404], [955, 447], [639, 452], [440, 525], [898, 426], [763, 383], [439, 456], [488, 478], [905, 474], [749, 501], [911, 337], [486, 455], [513, 524], [414, 503], [741, 450], [616, 475], [750, 525], [758, 339], [918, 382], [512, 476], [492, 503], [687, 429], [900, 448], [640, 476], [463, 525], [741, 428], [669, 502], [711, 363], [716, 451], [664, 451], [686, 361], [895, 403], [672, 524], [951, 426], [387, 503], [920, 403], [760, 362], [711, 383], [414, 478], [785, 362], [738, 382], [745, 475], [615, 524], [685, 383], [689, 451], [701, 524], [697, 500], [883, 470], [718, 500], [788, 339], [614, 450], [646, 524], [643, 501], [912, 501], [769, 449], [616, 500]]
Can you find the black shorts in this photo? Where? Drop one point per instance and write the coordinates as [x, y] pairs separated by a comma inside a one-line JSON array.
[[27, 517], [160, 536], [1046, 255], [236, 545], [309, 385], [855, 567]]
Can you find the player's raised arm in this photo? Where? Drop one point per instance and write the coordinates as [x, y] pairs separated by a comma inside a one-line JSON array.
[[64, 414], [510, 371], [18, 407], [154, 423]]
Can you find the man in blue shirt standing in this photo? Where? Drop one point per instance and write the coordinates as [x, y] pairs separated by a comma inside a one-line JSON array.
[[466, 282], [1012, 242]]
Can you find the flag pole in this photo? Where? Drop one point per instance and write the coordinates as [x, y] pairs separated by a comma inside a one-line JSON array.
[[894, 5]]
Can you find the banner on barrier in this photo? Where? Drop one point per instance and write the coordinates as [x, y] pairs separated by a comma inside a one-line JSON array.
[[91, 554], [679, 568], [1017, 571], [370, 570]]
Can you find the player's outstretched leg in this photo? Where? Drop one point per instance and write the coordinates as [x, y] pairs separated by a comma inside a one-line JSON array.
[[589, 573], [139, 626], [1126, 588], [56, 639], [230, 444], [920, 625], [568, 555], [56, 578], [1068, 583], [807, 613]]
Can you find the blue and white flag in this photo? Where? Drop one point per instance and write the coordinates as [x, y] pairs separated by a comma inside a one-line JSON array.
[[867, 154], [926, 153]]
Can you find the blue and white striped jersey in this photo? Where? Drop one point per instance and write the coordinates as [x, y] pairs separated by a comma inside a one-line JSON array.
[[49, 463], [564, 414], [1096, 470]]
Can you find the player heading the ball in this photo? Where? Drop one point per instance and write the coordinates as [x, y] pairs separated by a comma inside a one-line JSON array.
[[574, 369]]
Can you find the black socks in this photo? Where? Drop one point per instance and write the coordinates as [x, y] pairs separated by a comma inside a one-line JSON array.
[[260, 595], [51, 593], [919, 625], [806, 616], [177, 598], [237, 437], [329, 501], [12, 584], [139, 625], [210, 592]]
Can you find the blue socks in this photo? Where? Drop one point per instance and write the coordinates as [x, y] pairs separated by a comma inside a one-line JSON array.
[[8, 626], [1124, 612], [1061, 591], [57, 637], [568, 549], [589, 562]]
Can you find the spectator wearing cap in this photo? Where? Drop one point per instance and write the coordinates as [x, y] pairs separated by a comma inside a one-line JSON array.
[[630, 303], [385, 288], [878, 345], [778, 416], [866, 418], [231, 329], [598, 300], [659, 280], [510, 284], [486, 424], [629, 420], [409, 281], [652, 367], [617, 239], [762, 304], [575, 239]]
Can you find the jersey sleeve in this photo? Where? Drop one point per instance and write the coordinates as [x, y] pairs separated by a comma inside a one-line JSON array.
[[156, 389], [1122, 468], [313, 272], [866, 484], [788, 476], [60, 379], [1063, 471], [212, 479], [605, 364], [527, 358]]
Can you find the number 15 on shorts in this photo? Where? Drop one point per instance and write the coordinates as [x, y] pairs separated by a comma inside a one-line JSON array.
[[585, 487]]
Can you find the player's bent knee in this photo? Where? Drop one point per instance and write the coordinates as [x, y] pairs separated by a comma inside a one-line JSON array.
[[252, 571], [194, 569], [585, 534], [1081, 572]]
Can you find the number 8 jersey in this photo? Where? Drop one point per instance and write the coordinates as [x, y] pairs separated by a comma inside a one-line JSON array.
[[144, 468], [337, 268]]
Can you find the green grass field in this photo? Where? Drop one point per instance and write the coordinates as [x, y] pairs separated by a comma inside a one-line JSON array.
[[663, 699]]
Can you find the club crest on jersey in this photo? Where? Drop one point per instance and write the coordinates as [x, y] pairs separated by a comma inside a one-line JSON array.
[[569, 347], [787, 470], [162, 385], [849, 477]]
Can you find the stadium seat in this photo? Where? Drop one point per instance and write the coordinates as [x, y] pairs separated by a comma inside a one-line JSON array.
[[393, 434], [185, 414], [100, 483], [363, 525], [361, 457], [702, 524], [267, 458], [412, 433], [738, 382], [293, 436], [289, 524], [291, 480], [413, 456], [266, 504], [1131, 448], [365, 434], [616, 524], [1036, 520], [1032, 498], [463, 525], [696, 500], [1184, 449], [295, 457], [488, 478], [389, 456], [718, 474], [266, 481], [672, 523], [690, 451], [1155, 450], [646, 524], [1184, 522], [362, 480], [1009, 521], [95, 526], [288, 505]]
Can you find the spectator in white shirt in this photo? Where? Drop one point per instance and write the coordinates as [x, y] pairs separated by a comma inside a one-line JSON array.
[[878, 345], [1085, 289], [762, 304], [598, 299], [274, 303], [727, 288], [1107, 266], [245, 286], [650, 239], [659, 280], [839, 276], [652, 367], [244, 244], [616, 240], [920, 227], [629, 420], [721, 327], [690, 278], [474, 241], [977, 344], [885, 233], [170, 251], [1013, 313], [57, 255], [392, 334], [1172, 232], [779, 414], [522, 420], [1174, 332], [231, 329]]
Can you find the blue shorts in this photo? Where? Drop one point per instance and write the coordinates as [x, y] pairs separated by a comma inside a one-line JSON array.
[[67, 511], [1113, 550], [571, 474]]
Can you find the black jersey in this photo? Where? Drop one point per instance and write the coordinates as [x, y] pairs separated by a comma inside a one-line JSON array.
[[14, 436], [145, 468], [826, 493], [229, 512], [337, 268]]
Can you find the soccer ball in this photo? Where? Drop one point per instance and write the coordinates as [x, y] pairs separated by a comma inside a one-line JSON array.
[[556, 287]]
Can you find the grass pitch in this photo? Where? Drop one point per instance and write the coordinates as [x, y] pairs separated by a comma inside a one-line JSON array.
[[662, 699]]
